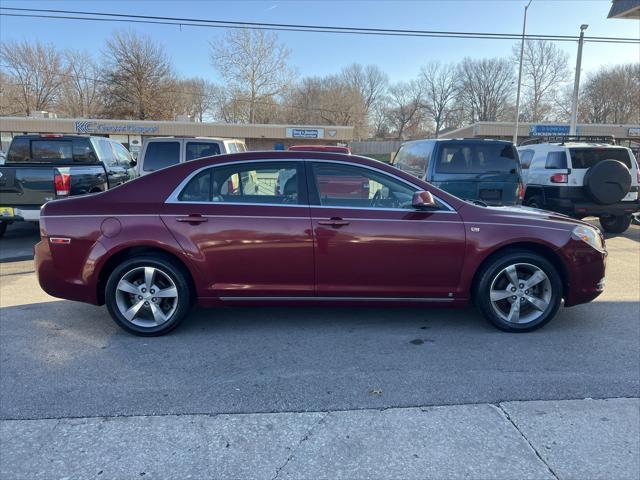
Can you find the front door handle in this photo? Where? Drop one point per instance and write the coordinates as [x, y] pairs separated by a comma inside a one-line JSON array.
[[334, 222], [193, 219]]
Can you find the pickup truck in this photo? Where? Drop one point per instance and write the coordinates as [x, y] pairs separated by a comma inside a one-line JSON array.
[[39, 168]]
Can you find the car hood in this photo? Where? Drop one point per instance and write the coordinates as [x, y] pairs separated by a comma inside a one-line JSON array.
[[519, 215]]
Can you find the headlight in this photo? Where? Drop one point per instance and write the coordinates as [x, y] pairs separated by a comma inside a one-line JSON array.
[[589, 235]]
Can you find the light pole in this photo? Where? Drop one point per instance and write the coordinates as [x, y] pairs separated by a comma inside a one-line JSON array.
[[524, 28], [576, 84]]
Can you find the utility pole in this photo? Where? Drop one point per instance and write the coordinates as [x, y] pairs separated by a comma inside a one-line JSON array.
[[576, 84], [517, 122]]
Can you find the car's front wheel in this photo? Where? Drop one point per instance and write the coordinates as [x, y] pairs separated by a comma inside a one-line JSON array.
[[615, 224], [148, 295], [519, 291]]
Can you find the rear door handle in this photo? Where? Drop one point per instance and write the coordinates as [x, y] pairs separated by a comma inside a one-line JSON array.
[[194, 219], [334, 222]]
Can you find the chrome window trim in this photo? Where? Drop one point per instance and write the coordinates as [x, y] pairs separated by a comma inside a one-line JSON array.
[[173, 197]]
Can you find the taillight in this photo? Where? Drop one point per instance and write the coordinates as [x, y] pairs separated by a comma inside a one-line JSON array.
[[520, 191], [559, 178], [62, 183]]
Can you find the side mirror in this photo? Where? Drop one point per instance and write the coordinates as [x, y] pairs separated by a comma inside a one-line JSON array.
[[423, 200], [133, 163]]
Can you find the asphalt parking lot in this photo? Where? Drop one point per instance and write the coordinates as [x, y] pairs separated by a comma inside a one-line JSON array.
[[65, 359]]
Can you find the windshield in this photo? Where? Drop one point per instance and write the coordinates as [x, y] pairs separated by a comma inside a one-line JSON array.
[[477, 158]]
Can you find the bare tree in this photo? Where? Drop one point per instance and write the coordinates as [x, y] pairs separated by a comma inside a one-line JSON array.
[[404, 103], [254, 63], [545, 71], [440, 86], [612, 95], [81, 90], [198, 97], [139, 79], [486, 88], [369, 81], [36, 70]]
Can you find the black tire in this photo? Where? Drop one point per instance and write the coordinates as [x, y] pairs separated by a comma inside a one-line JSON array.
[[491, 272], [3, 227], [615, 224], [166, 266], [534, 201]]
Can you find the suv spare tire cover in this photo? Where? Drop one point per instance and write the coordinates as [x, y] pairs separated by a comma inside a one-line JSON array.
[[607, 181]]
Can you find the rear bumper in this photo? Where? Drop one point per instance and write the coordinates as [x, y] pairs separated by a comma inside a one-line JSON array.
[[585, 209], [585, 279], [58, 279], [23, 215]]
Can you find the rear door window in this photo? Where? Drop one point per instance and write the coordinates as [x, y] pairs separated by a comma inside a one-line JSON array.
[[556, 160], [231, 146], [160, 155], [588, 157], [477, 158], [525, 158], [201, 149], [105, 152]]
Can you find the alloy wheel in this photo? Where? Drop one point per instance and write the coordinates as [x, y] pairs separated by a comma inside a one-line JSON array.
[[520, 293], [146, 296]]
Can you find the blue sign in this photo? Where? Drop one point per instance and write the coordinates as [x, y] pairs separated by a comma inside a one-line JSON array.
[[544, 129]]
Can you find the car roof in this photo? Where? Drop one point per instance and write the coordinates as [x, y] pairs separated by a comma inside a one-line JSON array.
[[458, 140], [177, 137], [573, 145]]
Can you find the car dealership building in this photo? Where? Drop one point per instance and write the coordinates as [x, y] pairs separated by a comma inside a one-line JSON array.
[[132, 133]]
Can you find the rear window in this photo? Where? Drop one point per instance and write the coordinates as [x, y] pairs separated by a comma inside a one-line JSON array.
[[588, 157], [201, 149], [52, 151], [160, 155], [477, 158]]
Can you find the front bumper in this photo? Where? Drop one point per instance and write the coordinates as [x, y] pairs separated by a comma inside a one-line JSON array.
[[585, 274]]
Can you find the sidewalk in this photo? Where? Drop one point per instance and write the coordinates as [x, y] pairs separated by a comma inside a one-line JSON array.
[[540, 439]]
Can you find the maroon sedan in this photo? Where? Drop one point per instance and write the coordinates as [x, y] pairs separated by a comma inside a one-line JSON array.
[[285, 228]]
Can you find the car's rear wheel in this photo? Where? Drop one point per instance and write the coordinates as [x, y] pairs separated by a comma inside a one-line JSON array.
[[615, 224], [519, 292], [148, 295]]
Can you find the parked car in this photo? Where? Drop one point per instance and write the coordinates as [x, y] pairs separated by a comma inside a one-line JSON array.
[[581, 177], [39, 168], [162, 152], [186, 234], [469, 168], [321, 148]]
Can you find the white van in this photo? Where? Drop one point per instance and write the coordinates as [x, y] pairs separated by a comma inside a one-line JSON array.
[[161, 152]]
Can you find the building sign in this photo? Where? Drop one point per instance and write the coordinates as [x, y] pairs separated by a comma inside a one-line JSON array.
[[547, 129], [305, 132], [106, 128], [634, 132]]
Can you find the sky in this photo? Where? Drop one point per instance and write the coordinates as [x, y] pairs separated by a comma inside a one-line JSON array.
[[322, 54]]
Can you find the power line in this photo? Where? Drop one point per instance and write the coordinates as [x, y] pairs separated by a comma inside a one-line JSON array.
[[208, 23]]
